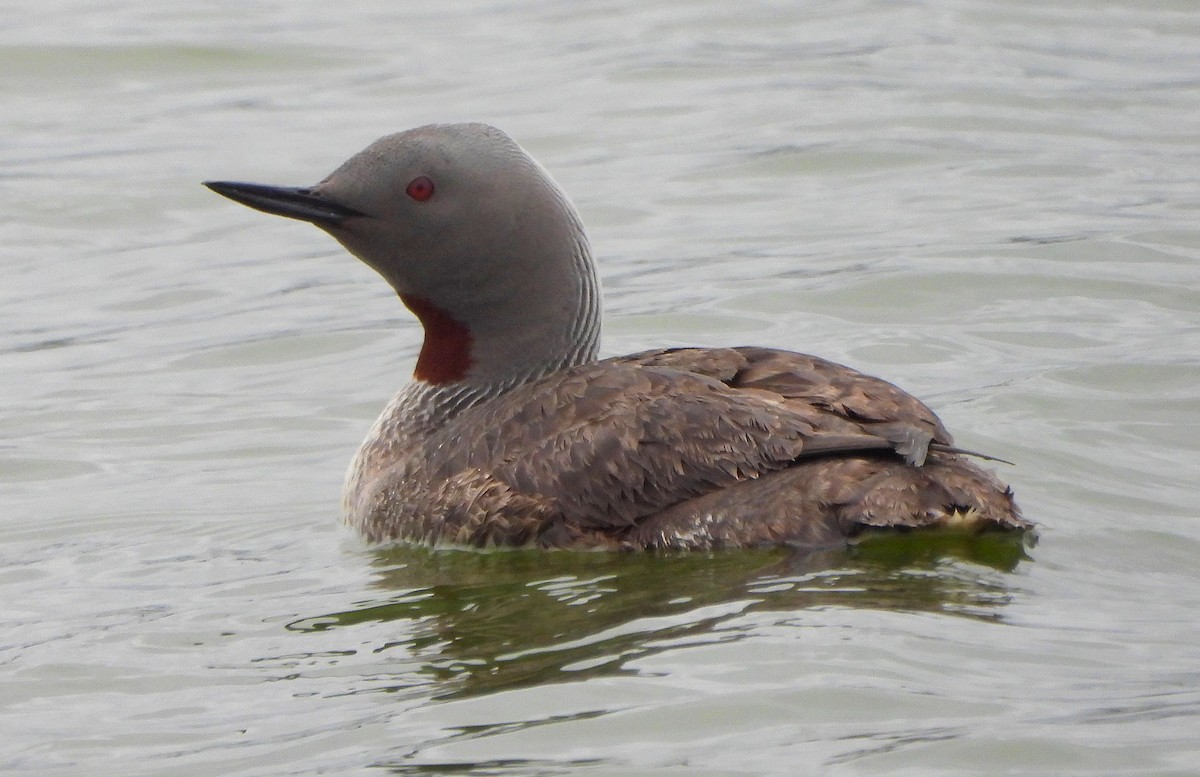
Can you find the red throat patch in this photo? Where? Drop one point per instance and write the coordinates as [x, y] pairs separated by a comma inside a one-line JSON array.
[[446, 353]]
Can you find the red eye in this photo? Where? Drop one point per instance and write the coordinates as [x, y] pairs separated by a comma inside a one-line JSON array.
[[420, 188]]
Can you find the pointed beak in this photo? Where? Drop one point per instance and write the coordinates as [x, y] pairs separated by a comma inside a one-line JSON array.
[[292, 202]]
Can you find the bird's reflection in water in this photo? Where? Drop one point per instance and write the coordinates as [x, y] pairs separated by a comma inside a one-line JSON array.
[[478, 622]]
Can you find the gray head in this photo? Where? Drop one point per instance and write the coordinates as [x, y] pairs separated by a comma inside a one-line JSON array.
[[474, 236]]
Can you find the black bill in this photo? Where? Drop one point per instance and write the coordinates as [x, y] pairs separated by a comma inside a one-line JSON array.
[[292, 202]]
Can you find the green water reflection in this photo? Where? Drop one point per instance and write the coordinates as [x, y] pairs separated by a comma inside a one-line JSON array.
[[479, 622]]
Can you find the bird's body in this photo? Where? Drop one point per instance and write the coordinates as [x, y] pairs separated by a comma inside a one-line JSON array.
[[513, 433]]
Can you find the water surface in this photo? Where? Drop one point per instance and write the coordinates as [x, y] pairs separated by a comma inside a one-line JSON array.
[[993, 204]]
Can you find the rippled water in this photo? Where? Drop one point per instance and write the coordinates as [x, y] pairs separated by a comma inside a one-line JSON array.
[[993, 203]]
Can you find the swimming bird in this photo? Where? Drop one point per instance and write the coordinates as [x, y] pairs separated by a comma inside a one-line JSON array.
[[513, 432]]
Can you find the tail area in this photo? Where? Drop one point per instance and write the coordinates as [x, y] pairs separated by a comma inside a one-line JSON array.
[[824, 502]]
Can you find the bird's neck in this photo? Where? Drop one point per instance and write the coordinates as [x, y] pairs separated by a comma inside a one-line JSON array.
[[533, 331], [461, 366]]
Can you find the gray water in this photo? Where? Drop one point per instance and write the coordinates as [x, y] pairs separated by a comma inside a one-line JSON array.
[[994, 204]]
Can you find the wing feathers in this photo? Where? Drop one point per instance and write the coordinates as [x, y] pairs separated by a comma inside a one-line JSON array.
[[643, 446]]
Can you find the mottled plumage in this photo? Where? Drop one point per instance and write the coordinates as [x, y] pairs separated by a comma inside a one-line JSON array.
[[686, 448], [512, 433]]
